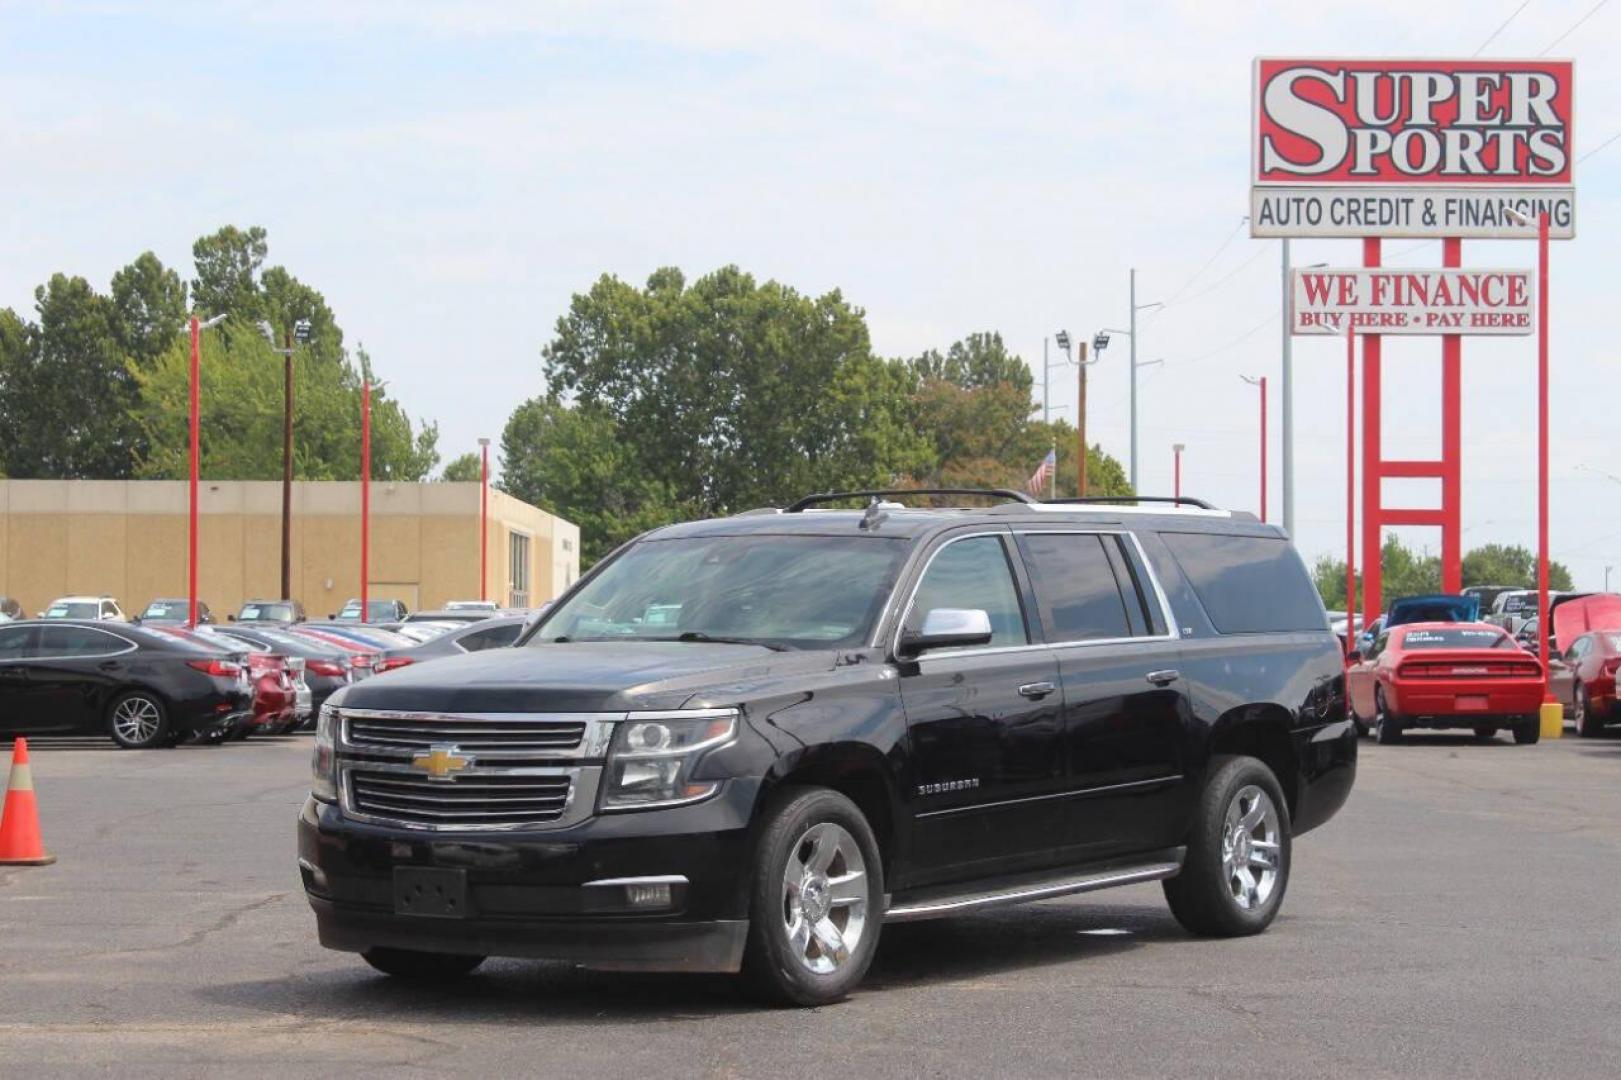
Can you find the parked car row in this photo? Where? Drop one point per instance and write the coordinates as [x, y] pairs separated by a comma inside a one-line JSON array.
[[154, 681], [1433, 662]]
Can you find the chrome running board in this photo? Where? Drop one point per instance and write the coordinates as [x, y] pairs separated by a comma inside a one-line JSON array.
[[1022, 890]]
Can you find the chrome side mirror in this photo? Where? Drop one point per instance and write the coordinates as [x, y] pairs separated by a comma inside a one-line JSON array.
[[948, 628]]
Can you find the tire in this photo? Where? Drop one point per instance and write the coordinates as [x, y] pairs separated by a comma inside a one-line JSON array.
[[1529, 730], [1485, 731], [1218, 893], [138, 720], [1386, 725], [818, 878], [421, 966], [1588, 724]]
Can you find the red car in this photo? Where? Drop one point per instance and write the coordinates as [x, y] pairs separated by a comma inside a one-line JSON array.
[[275, 695], [1446, 675], [1585, 682]]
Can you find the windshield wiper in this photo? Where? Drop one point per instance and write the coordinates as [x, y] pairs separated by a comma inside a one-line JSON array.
[[708, 639]]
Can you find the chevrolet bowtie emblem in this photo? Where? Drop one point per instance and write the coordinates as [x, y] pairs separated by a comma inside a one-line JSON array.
[[440, 762]]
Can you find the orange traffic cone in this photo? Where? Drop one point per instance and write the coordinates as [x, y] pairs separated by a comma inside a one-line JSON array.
[[20, 843]]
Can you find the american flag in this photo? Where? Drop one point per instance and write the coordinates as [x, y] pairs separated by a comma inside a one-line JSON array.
[[1038, 481]]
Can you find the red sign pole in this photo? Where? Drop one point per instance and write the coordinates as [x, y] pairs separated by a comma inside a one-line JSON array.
[[1452, 442], [1372, 445], [191, 550], [1176, 472], [365, 500], [1351, 628], [1544, 630]]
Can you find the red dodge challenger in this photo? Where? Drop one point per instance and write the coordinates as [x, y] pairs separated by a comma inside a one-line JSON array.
[[1446, 675]]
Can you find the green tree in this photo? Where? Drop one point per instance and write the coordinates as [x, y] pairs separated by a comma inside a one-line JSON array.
[[730, 393], [150, 301], [227, 282], [1408, 573], [66, 397], [241, 403], [467, 468], [572, 462], [1510, 564]]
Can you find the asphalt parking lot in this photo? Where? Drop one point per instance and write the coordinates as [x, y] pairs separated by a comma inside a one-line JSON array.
[[1460, 917]]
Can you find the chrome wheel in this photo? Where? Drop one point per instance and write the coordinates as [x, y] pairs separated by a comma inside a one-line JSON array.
[[824, 898], [136, 720], [1251, 852]]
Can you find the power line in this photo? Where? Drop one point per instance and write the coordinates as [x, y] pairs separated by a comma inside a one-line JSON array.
[[1501, 28], [1262, 250], [1573, 26], [1202, 267], [1599, 147], [1237, 341]]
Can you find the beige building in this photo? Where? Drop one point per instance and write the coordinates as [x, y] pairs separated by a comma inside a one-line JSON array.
[[127, 539]]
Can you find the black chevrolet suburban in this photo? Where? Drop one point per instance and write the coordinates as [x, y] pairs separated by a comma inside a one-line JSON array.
[[747, 744]]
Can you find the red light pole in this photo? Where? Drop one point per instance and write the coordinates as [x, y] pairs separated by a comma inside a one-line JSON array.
[[1544, 630], [191, 548], [365, 499], [196, 329], [1261, 382], [484, 519], [1176, 471]]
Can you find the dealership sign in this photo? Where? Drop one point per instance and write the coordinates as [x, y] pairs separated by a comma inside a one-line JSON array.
[[1378, 301], [1357, 148]]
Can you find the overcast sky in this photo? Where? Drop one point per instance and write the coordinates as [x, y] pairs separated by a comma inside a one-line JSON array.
[[449, 174]]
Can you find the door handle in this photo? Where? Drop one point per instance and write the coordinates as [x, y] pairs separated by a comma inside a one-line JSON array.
[[109, 665], [1036, 690], [1165, 677]]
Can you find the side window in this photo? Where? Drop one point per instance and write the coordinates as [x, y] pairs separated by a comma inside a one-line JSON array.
[[1579, 647], [65, 641], [973, 573], [108, 611], [497, 637], [14, 641], [1378, 646], [1248, 584], [1077, 590]]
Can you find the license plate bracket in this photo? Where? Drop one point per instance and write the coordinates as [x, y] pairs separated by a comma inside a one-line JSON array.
[[430, 892]]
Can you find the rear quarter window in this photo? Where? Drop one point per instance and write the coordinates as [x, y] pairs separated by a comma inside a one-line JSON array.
[[1248, 584]]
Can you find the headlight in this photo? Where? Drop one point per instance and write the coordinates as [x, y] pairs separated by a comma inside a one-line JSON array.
[[654, 754], [324, 758]]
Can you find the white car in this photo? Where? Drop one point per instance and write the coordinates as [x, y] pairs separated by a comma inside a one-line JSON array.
[[94, 608], [470, 605]]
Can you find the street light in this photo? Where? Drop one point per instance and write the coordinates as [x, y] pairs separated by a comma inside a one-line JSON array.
[[366, 388], [484, 519], [300, 330], [1261, 382], [1176, 475], [197, 329], [1103, 337]]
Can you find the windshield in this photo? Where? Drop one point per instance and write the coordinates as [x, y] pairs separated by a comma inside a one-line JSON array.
[[266, 613], [167, 609], [804, 592], [1461, 638], [85, 609]]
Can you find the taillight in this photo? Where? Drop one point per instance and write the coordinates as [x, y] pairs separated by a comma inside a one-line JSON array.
[[220, 669], [389, 663], [1612, 666], [362, 660], [330, 668]]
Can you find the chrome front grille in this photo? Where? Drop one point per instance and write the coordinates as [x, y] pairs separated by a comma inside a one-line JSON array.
[[478, 736], [471, 771], [488, 735], [481, 800]]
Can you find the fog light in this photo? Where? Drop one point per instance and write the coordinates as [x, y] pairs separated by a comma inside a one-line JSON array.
[[648, 896]]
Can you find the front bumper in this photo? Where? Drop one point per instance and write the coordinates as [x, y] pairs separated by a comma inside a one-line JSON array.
[[526, 892]]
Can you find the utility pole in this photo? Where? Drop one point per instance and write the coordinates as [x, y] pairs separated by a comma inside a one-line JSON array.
[[1046, 385], [1288, 391], [1133, 333], [1080, 426]]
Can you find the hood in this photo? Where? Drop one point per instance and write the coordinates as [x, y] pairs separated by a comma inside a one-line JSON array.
[[1573, 618], [1435, 608], [577, 677]]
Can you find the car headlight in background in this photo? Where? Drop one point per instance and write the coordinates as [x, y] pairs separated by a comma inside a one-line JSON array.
[[324, 757], [654, 755]]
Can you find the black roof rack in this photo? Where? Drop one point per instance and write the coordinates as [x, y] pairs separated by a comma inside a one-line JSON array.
[[836, 496], [1177, 500]]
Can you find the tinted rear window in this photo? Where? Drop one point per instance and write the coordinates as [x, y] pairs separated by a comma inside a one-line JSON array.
[[1076, 588], [1461, 638], [1248, 584]]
